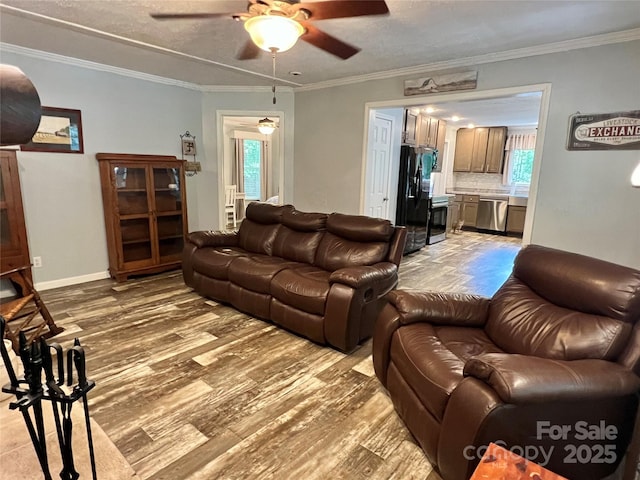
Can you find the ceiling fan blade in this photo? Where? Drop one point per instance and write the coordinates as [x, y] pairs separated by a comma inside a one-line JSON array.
[[249, 50], [187, 16], [327, 43], [344, 8]]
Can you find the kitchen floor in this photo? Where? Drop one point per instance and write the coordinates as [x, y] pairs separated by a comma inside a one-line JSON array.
[[190, 389], [466, 262]]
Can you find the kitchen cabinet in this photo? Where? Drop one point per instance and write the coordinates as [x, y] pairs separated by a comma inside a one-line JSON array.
[[422, 130], [479, 153], [428, 128], [440, 137], [515, 219], [480, 150], [470, 210], [145, 212], [453, 214], [410, 131], [13, 232], [464, 150], [495, 149]]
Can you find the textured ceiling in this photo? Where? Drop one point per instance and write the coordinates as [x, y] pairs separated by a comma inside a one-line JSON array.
[[416, 32], [120, 33]]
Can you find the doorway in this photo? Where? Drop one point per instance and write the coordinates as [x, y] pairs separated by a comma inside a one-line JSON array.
[[249, 159], [378, 201], [468, 102]]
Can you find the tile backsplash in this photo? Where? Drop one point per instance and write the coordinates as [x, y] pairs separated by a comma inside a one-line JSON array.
[[484, 182]]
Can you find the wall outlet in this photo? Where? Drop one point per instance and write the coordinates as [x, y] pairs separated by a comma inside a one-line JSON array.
[[37, 262]]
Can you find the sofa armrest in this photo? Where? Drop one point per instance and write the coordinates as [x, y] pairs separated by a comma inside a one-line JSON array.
[[365, 276], [212, 238], [456, 309], [524, 379]]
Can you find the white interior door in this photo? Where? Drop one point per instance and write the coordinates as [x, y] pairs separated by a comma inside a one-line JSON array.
[[377, 184]]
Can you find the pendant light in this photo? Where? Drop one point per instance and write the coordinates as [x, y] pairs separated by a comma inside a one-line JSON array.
[[266, 126]]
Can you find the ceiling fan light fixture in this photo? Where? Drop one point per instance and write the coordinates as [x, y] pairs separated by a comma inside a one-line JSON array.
[[266, 126], [271, 32]]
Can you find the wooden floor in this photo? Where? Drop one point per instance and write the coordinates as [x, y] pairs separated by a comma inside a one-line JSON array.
[[189, 389]]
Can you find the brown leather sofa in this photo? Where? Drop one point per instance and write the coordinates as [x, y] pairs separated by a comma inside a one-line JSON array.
[[550, 361], [321, 276]]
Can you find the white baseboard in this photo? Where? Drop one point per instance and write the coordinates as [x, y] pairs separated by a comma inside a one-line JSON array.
[[64, 282]]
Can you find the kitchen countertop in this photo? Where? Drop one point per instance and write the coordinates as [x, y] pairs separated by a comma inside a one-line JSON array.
[[517, 199]]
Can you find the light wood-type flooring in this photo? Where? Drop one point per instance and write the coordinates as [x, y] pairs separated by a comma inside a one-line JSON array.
[[190, 389]]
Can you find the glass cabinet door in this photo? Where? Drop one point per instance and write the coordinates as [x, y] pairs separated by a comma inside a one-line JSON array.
[[14, 251], [134, 212], [6, 232], [168, 207]]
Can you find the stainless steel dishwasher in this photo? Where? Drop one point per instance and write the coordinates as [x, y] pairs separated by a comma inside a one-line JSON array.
[[492, 214]]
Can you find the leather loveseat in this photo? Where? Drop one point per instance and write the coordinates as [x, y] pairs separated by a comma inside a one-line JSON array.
[[322, 276], [549, 364]]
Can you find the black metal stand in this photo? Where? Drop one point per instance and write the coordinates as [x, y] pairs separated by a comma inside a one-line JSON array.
[[30, 392]]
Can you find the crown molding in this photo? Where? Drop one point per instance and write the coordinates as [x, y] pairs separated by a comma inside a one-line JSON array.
[[557, 47], [76, 62]]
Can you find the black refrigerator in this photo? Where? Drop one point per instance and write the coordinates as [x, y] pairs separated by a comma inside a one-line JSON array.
[[414, 187]]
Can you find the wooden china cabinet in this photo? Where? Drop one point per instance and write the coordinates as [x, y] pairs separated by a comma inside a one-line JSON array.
[[13, 233], [145, 212]]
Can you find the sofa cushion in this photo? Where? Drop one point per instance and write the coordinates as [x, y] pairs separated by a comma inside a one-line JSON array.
[[299, 236], [255, 272], [432, 358], [567, 280], [214, 261], [353, 240], [521, 321], [335, 252], [305, 288], [258, 230], [360, 228]]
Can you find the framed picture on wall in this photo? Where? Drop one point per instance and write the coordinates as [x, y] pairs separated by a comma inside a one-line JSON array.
[[188, 146], [60, 130]]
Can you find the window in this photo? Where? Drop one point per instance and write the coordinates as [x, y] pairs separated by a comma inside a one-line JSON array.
[[521, 166], [520, 153], [252, 174]]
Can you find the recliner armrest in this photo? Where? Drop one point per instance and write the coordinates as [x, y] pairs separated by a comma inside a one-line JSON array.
[[521, 379], [365, 276], [457, 309], [212, 238]]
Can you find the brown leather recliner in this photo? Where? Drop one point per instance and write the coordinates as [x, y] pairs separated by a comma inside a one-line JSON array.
[[548, 367], [321, 276]]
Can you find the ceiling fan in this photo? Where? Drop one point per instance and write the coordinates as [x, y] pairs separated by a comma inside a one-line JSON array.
[[276, 25]]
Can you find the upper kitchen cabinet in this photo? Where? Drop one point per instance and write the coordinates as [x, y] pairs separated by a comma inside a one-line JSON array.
[[480, 150], [428, 131], [464, 150], [479, 153], [495, 149], [422, 130], [411, 126]]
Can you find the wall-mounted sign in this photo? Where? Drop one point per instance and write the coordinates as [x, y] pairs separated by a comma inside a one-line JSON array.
[[604, 131], [441, 83]]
